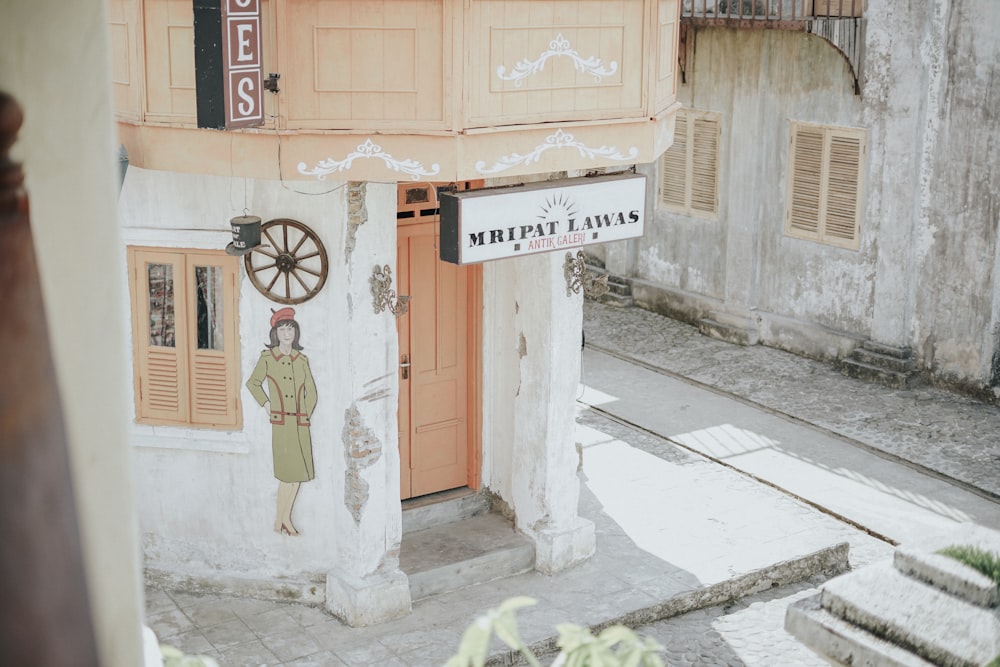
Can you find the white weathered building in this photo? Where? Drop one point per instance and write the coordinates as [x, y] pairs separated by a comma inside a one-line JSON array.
[[377, 104], [891, 251]]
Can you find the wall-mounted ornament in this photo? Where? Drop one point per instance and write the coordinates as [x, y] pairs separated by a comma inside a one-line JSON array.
[[577, 277], [246, 235], [367, 151], [560, 140], [383, 295], [557, 47], [291, 265]]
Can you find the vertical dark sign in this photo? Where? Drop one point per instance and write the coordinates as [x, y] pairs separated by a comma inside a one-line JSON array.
[[208, 61], [243, 71]]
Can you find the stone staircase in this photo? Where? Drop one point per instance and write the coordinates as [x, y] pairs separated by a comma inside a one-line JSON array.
[[619, 288], [922, 608], [619, 292], [889, 366], [452, 540]]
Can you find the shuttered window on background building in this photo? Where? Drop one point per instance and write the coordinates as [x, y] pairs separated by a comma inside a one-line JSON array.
[[825, 184], [185, 337], [689, 169]]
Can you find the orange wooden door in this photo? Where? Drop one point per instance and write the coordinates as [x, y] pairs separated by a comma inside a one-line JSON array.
[[435, 396]]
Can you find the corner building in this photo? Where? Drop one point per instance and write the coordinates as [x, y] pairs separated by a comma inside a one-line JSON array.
[[336, 123]]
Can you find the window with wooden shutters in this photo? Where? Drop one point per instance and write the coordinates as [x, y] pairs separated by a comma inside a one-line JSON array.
[[825, 183], [689, 169], [185, 340]]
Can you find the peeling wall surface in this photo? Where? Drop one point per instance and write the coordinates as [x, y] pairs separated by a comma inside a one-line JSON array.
[[924, 275]]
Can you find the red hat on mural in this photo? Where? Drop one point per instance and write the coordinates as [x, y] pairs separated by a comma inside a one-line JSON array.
[[282, 314]]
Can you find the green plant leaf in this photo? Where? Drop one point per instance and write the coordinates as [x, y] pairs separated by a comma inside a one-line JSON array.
[[475, 645], [515, 603], [986, 562], [616, 633]]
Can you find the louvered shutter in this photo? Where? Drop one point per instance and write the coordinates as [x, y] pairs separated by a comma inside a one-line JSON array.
[[160, 362], [805, 182], [825, 179], [842, 213], [689, 181], [185, 333], [213, 339], [674, 167], [704, 166]]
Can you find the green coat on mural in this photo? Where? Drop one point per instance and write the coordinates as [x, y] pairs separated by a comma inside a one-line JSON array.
[[292, 392]]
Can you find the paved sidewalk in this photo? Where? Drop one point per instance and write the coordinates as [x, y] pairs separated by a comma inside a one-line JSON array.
[[942, 432]]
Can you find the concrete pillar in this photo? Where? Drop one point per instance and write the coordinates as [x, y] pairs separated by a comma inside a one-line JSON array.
[[534, 452], [367, 586]]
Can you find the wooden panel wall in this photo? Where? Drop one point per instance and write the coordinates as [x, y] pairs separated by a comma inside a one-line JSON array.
[[364, 63], [533, 61], [169, 59], [125, 65], [667, 21]]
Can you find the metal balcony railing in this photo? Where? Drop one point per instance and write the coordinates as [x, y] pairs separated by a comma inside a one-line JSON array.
[[839, 22], [770, 10]]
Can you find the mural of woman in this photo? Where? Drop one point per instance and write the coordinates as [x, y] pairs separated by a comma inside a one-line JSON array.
[[289, 399]]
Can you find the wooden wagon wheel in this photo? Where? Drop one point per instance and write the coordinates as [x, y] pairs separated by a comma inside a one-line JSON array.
[[290, 265]]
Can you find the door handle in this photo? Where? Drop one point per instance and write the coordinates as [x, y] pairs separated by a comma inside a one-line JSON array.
[[404, 363]]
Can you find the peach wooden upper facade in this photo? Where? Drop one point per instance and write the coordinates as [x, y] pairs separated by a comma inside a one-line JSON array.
[[389, 90]]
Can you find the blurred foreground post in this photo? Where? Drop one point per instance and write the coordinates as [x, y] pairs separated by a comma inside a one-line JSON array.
[[44, 609]]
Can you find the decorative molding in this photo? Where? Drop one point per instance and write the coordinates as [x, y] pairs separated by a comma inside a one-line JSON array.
[[384, 296], [558, 139], [557, 47], [577, 277], [368, 150]]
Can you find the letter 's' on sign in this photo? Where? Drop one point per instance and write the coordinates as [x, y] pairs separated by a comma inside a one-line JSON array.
[[243, 75]]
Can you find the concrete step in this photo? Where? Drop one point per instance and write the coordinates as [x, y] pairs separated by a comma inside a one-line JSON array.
[[887, 350], [887, 361], [924, 563], [620, 300], [882, 364], [840, 641], [884, 376], [474, 550], [736, 333], [929, 622], [441, 508], [619, 287]]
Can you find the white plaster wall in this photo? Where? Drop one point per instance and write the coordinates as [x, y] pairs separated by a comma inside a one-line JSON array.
[[501, 374], [56, 63], [531, 375], [371, 385], [208, 498], [925, 275], [959, 207]]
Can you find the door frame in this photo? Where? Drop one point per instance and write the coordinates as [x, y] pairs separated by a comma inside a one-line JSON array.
[[475, 386], [473, 323]]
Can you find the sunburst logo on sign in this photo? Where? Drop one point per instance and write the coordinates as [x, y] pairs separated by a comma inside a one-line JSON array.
[[559, 207]]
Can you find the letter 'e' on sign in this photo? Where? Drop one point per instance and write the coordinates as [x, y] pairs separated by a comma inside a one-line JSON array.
[[243, 71]]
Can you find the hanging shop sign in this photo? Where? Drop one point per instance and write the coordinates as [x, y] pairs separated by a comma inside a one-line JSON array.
[[243, 72], [483, 225]]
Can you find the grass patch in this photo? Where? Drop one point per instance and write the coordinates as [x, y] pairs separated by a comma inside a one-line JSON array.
[[978, 559]]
